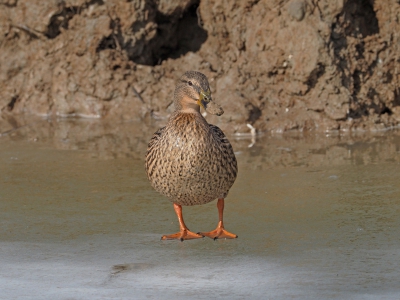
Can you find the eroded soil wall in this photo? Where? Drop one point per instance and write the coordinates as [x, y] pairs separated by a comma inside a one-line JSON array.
[[275, 64]]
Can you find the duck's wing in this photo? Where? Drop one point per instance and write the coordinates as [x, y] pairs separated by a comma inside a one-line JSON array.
[[156, 137], [226, 148], [152, 146], [219, 134]]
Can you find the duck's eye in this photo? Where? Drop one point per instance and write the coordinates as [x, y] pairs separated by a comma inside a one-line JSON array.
[[190, 83]]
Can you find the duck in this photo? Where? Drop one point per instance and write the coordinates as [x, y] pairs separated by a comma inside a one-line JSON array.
[[190, 161]]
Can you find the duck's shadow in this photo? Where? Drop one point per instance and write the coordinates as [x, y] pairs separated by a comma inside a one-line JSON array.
[[130, 267]]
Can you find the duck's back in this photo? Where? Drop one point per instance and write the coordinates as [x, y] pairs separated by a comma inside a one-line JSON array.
[[190, 161]]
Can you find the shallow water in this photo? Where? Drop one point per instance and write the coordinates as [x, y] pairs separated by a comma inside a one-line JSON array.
[[317, 218]]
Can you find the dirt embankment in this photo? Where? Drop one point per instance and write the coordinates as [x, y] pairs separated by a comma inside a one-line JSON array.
[[277, 65]]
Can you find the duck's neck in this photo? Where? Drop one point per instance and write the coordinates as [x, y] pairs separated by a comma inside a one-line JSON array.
[[190, 110], [186, 105], [188, 117], [189, 113]]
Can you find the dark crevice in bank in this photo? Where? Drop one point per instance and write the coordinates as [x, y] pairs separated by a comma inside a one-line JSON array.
[[173, 37], [356, 21]]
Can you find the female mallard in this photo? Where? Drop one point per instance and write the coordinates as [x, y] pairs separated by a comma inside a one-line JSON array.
[[190, 161]]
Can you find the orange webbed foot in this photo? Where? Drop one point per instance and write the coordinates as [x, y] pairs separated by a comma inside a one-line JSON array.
[[219, 233], [182, 235]]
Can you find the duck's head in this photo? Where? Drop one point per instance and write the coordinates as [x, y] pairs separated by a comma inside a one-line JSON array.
[[193, 91]]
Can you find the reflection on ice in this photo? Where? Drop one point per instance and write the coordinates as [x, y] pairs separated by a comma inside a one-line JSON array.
[[116, 139]]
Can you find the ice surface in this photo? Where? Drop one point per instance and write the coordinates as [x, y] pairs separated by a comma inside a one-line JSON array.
[[76, 226]]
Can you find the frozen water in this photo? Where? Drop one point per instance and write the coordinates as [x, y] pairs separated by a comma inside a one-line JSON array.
[[311, 225]]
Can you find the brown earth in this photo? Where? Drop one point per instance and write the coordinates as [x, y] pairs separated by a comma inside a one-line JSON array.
[[278, 65]]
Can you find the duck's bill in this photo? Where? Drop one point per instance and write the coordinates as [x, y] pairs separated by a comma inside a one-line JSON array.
[[213, 108], [210, 106]]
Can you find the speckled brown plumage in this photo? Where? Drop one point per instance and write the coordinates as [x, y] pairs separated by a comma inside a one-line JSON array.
[[190, 161]]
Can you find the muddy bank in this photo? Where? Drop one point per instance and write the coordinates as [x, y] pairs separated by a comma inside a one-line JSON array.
[[277, 65]]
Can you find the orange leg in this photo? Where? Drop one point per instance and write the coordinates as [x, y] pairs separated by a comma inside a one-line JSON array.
[[220, 232], [184, 233]]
